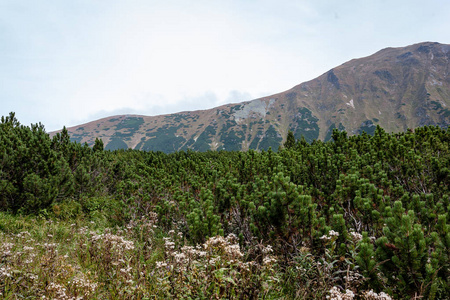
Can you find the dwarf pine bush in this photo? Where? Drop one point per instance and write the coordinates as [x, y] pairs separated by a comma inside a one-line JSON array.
[[359, 215]]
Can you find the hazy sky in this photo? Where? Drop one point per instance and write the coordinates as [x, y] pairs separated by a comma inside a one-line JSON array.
[[68, 62]]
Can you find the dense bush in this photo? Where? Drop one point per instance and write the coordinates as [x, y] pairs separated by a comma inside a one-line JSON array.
[[357, 213]]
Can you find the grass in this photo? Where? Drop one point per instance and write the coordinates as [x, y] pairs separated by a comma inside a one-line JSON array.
[[79, 259]]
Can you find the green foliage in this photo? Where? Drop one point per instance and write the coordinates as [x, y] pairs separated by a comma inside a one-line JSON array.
[[290, 140], [204, 140], [116, 144], [230, 139], [271, 139], [308, 200], [98, 145], [130, 123], [405, 248], [164, 138], [366, 259], [305, 124], [33, 175], [367, 127]]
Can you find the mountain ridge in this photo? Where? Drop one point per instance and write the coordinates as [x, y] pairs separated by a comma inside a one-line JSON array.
[[397, 88]]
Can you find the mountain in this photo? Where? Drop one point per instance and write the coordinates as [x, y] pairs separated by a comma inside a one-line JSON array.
[[397, 88]]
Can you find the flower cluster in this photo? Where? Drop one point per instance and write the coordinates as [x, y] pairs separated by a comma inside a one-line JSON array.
[[371, 295], [115, 241], [330, 235], [336, 294], [5, 249], [169, 244], [5, 271], [333, 233], [356, 237], [218, 262], [353, 277], [83, 284], [58, 291]]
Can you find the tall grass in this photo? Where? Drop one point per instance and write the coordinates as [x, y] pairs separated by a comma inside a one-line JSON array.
[[77, 259]]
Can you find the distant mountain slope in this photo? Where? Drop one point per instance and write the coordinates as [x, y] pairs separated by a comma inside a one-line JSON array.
[[397, 88]]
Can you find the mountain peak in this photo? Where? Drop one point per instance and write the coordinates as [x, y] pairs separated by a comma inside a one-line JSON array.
[[397, 88]]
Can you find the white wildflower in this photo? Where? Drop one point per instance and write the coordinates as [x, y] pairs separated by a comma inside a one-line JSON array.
[[59, 290], [169, 244], [126, 270], [371, 295], [333, 233], [232, 238], [161, 264], [179, 257], [325, 238], [50, 246], [202, 253], [335, 294], [268, 249], [213, 261], [217, 241], [234, 250], [5, 271], [353, 276], [356, 237], [268, 260]]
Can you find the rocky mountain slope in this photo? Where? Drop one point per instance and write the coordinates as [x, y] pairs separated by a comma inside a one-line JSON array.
[[397, 88]]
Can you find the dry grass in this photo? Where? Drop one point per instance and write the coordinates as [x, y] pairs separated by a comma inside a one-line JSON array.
[[62, 260]]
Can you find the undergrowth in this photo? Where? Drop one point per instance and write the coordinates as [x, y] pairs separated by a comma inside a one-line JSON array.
[[77, 259]]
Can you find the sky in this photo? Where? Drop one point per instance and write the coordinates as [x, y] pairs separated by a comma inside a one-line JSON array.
[[65, 63]]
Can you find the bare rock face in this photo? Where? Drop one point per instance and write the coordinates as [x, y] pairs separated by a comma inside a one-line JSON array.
[[396, 88]]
